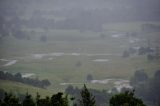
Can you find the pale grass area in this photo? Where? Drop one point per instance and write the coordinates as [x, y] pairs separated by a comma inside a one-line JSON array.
[[15, 87]]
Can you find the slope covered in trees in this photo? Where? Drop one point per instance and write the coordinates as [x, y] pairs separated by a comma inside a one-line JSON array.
[[18, 78]]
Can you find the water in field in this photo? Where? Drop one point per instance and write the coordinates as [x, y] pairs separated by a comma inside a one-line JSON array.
[[57, 54], [9, 62], [119, 84], [100, 60], [27, 75]]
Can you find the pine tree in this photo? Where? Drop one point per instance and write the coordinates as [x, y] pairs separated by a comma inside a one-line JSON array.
[[86, 98], [59, 100], [28, 101], [126, 99], [10, 100]]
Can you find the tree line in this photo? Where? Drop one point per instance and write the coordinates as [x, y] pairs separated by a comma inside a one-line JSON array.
[[147, 88], [101, 97], [126, 98], [18, 78]]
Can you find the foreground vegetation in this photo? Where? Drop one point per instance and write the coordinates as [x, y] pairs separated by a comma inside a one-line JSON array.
[[18, 78], [87, 99], [147, 88], [18, 89]]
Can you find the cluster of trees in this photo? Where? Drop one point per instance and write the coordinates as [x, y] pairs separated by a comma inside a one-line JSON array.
[[12, 27], [104, 98], [151, 53], [101, 97], [84, 20], [56, 100], [147, 88], [18, 78], [129, 52], [77, 17], [145, 50], [126, 98], [140, 51], [86, 99], [139, 77], [89, 77]]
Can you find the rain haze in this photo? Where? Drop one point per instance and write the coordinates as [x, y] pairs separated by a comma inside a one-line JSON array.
[[51, 46]]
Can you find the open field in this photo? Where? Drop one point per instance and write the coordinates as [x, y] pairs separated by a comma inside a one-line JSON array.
[[19, 88], [69, 56]]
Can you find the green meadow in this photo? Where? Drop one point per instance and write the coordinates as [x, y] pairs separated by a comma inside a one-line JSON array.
[[68, 56]]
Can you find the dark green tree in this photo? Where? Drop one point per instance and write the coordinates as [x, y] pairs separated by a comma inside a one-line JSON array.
[[42, 102], [45, 82], [86, 98], [78, 64], [125, 99], [126, 54], [70, 90], [59, 100], [89, 77], [10, 100], [140, 77], [18, 77], [28, 101], [142, 51]]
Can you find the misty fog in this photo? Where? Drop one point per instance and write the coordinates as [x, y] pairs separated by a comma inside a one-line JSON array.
[[60, 45]]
